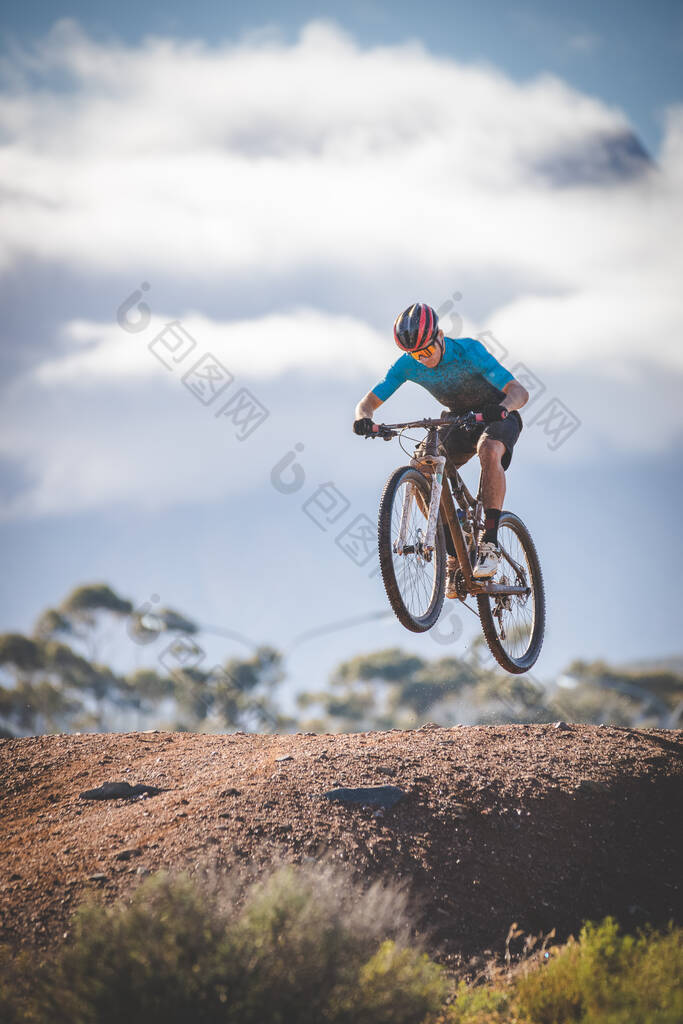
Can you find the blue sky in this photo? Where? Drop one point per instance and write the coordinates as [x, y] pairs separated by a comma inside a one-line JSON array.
[[285, 185]]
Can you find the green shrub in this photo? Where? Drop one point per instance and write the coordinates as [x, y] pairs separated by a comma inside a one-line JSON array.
[[609, 978], [306, 946], [604, 978], [481, 1004], [303, 946]]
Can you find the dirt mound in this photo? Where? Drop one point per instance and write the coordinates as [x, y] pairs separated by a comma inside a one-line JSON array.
[[540, 825]]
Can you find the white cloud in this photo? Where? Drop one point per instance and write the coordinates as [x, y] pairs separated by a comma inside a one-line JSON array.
[[261, 160], [265, 155], [304, 339], [264, 158], [107, 423], [606, 326]]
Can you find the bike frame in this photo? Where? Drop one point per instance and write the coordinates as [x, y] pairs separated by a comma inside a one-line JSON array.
[[433, 465]]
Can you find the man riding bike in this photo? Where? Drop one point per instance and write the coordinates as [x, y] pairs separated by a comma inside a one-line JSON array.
[[465, 377]]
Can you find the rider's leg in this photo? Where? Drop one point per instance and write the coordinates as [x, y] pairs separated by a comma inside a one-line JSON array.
[[492, 473], [492, 485]]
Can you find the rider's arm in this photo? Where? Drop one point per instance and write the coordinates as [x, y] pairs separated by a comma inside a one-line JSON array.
[[367, 406], [395, 376], [515, 395]]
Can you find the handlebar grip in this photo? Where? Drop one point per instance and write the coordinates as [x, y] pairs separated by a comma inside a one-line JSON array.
[[494, 413], [481, 417], [469, 420]]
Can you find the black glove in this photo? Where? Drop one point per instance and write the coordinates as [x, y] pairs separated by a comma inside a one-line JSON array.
[[364, 427], [494, 412]]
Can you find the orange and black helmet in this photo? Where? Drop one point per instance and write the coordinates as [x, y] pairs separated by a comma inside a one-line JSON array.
[[416, 327]]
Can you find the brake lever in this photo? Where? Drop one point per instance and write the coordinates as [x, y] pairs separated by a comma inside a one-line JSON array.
[[379, 430], [465, 421]]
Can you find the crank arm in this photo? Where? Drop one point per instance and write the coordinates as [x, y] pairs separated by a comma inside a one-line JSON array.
[[499, 589]]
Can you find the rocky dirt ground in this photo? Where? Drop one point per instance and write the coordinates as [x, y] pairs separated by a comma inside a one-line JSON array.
[[536, 824]]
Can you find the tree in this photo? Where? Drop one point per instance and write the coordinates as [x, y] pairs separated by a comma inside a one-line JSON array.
[[596, 692], [394, 689], [52, 681], [400, 690]]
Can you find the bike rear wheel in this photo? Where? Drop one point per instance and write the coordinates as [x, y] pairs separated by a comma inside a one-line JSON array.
[[414, 582], [514, 625]]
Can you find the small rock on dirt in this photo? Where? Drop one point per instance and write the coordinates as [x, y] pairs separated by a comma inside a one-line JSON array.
[[591, 786], [118, 791], [373, 796], [127, 854]]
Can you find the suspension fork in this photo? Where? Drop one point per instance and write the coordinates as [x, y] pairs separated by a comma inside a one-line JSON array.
[[405, 511], [433, 466], [437, 464]]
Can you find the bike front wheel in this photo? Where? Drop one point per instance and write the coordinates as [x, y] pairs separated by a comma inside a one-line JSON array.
[[514, 625], [413, 578]]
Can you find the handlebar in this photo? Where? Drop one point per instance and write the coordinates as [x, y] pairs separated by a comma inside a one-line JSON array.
[[468, 421]]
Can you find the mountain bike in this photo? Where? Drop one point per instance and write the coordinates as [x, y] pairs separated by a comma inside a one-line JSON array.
[[415, 511]]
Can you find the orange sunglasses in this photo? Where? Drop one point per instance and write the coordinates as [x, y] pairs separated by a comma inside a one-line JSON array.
[[428, 350]]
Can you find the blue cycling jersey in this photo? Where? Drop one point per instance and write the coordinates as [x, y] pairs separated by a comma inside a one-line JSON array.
[[467, 377]]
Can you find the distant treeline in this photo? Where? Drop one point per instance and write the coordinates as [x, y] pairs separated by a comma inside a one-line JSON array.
[[57, 680]]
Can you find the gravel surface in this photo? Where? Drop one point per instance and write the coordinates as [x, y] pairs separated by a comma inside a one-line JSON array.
[[536, 824]]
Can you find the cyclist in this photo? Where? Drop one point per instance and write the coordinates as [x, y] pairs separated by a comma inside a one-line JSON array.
[[465, 377]]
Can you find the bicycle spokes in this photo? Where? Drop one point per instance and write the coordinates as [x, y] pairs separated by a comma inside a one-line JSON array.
[[514, 613], [414, 565]]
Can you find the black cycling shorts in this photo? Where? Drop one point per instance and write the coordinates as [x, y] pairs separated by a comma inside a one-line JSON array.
[[461, 446]]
